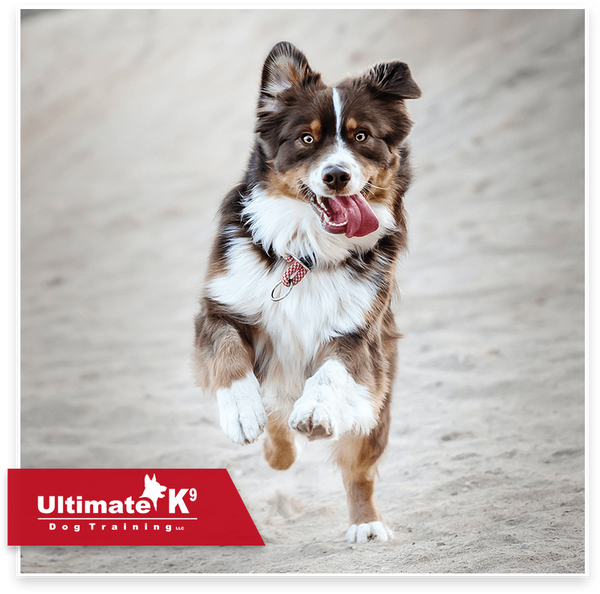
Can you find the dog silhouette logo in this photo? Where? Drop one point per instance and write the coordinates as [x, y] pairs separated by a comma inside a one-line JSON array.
[[153, 490]]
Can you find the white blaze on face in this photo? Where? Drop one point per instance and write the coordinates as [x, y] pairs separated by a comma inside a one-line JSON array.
[[337, 107], [342, 207], [340, 156]]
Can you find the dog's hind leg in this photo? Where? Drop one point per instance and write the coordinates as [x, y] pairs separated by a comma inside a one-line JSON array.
[[357, 457], [279, 446]]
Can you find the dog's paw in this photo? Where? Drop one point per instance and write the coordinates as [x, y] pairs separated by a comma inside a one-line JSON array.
[[312, 419], [241, 411], [361, 533], [333, 404]]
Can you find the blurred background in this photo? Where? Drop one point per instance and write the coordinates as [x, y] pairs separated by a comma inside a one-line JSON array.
[[134, 125]]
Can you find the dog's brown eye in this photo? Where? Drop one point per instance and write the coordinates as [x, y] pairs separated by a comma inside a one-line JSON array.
[[360, 137], [307, 139]]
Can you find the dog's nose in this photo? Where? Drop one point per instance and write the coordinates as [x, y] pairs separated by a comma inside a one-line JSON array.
[[336, 177]]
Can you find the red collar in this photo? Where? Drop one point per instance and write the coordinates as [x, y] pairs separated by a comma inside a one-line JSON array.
[[292, 275]]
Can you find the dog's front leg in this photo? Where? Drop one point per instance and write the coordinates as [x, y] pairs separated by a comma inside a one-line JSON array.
[[224, 366], [333, 404], [241, 411]]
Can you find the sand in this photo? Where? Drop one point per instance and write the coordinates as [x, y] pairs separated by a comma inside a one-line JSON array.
[[136, 123]]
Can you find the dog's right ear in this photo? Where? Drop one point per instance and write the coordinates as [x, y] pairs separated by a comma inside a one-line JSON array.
[[285, 67]]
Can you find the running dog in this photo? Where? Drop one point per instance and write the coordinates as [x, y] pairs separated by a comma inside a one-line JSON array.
[[296, 334]]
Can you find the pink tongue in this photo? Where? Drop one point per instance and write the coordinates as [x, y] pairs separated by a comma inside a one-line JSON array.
[[356, 212]]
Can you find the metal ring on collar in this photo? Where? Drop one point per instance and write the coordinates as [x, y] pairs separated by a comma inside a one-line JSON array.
[[284, 295]]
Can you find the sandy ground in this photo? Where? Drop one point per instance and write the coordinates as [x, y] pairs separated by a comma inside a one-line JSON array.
[[136, 123]]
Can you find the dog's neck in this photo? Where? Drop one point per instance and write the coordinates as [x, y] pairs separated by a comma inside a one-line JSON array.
[[285, 226]]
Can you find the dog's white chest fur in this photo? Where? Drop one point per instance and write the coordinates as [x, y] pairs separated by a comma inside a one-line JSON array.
[[328, 302], [324, 305]]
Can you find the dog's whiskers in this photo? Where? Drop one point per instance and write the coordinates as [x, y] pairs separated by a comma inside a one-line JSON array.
[[372, 185]]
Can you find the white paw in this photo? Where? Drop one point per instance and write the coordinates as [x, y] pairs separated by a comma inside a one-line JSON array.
[[361, 533], [312, 418], [332, 404], [241, 411]]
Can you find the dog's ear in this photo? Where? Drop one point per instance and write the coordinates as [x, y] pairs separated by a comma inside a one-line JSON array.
[[285, 67], [392, 79]]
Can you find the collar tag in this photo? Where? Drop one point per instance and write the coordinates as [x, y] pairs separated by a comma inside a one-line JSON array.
[[292, 275]]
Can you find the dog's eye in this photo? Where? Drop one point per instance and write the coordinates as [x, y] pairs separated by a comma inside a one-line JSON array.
[[360, 136], [307, 139]]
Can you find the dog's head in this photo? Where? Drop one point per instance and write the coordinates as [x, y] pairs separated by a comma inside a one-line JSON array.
[[336, 148]]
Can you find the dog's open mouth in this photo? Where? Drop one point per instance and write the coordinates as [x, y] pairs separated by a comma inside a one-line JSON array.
[[351, 214]]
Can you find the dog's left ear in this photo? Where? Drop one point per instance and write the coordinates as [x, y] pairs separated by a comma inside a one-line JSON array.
[[393, 79], [285, 67]]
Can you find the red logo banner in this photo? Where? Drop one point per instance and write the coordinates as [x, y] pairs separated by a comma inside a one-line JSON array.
[[131, 507]]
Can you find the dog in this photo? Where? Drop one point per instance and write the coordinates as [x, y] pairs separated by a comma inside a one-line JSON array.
[[295, 333]]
